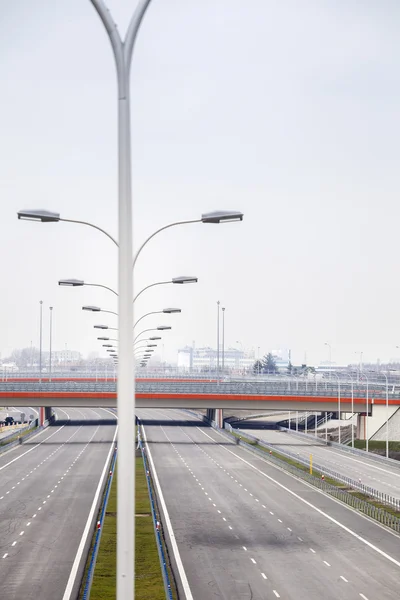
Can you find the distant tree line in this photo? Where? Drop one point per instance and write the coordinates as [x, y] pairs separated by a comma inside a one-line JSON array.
[[267, 365]]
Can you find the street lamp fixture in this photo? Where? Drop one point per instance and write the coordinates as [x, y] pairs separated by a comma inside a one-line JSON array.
[[98, 309], [104, 327], [80, 283], [222, 216]]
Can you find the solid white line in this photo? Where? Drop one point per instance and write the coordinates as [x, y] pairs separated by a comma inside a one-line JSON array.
[[175, 549], [87, 530], [33, 448], [65, 412], [307, 503]]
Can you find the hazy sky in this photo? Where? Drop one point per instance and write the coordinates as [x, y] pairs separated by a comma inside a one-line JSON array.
[[285, 109]]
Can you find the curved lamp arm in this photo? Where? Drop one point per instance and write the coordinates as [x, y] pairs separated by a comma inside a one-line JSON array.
[[158, 231], [149, 286], [102, 286], [91, 225], [156, 312]]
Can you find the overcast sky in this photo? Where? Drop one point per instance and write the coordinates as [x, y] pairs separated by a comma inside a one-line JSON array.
[[285, 109]]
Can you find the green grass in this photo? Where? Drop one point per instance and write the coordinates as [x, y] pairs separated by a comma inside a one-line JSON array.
[[377, 445], [16, 436], [318, 474], [148, 578]]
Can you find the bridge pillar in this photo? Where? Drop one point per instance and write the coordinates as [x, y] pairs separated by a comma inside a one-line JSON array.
[[41, 415], [210, 414], [219, 417]]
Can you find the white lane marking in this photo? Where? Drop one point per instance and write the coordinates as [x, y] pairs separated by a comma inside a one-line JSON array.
[[289, 529], [230, 527], [276, 593], [13, 544], [280, 520], [31, 449], [264, 575], [327, 564], [223, 518], [253, 561], [270, 512], [65, 412], [5, 555], [344, 579], [309, 504], [33, 516], [264, 506], [175, 549], [87, 530], [28, 523], [244, 548], [22, 533], [312, 550], [363, 597], [299, 538]]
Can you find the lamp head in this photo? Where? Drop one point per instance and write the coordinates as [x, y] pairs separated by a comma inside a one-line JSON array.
[[222, 216], [43, 216]]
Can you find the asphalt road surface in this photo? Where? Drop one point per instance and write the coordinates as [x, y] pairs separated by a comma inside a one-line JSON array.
[[246, 530], [378, 475], [47, 486]]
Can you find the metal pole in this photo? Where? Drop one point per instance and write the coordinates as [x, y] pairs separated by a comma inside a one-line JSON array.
[[223, 340], [352, 412], [51, 331], [123, 51], [326, 426], [366, 420], [40, 341], [340, 440], [387, 417], [218, 342]]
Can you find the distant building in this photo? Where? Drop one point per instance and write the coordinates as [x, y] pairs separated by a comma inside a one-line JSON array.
[[65, 357], [205, 359]]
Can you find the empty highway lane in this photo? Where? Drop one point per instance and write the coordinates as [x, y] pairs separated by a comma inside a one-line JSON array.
[[244, 529], [47, 487]]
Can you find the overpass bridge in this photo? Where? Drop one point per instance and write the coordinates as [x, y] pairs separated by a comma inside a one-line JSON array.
[[288, 394]]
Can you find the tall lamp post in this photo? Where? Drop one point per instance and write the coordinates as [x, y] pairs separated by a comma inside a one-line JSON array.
[[338, 379], [123, 51], [330, 358], [51, 334], [218, 303], [223, 340], [40, 340]]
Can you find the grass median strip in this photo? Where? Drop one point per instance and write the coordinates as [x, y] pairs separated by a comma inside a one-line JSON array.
[[148, 578]]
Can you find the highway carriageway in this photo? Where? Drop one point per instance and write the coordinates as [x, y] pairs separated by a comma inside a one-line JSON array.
[[173, 394], [239, 527]]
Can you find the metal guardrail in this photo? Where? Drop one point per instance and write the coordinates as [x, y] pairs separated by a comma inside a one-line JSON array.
[[352, 483], [379, 514], [346, 448], [157, 526], [93, 558], [282, 388], [35, 430]]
